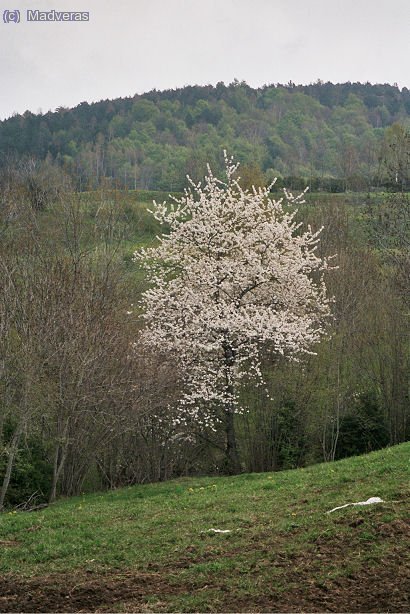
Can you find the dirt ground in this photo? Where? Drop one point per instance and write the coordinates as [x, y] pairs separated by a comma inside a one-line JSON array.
[[384, 587]]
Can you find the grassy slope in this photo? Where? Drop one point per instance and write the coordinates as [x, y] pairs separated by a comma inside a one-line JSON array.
[[147, 547], [139, 228]]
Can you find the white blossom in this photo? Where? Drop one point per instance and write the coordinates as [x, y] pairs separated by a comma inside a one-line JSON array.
[[234, 275]]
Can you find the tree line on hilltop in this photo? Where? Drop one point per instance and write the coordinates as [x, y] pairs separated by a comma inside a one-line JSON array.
[[333, 137]]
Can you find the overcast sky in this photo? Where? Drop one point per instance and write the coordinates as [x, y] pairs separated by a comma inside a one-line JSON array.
[[133, 46]]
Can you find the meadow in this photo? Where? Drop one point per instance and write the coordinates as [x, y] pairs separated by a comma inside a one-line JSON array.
[[150, 547]]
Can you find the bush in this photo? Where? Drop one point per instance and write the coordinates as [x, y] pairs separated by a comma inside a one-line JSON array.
[[31, 473], [363, 429]]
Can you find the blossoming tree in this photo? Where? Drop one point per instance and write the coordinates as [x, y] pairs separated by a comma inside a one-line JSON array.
[[230, 278]]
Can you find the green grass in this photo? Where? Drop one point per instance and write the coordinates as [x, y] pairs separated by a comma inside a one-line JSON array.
[[130, 212], [272, 517]]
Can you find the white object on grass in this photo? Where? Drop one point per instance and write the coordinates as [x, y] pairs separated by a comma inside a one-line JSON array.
[[219, 530], [368, 502]]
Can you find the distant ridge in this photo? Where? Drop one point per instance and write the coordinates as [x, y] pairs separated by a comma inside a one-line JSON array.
[[150, 141]]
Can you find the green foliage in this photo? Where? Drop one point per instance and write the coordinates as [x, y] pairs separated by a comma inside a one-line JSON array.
[[363, 428], [395, 157], [320, 132], [292, 437], [31, 473]]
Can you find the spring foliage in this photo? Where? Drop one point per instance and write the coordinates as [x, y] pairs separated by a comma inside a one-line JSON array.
[[230, 279]]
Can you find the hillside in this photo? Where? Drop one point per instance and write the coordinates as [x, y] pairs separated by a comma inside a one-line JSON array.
[[317, 132], [149, 548], [111, 425]]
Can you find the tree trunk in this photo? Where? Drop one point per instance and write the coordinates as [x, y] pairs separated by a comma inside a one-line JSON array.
[[59, 461], [53, 492], [60, 456], [232, 457], [10, 462]]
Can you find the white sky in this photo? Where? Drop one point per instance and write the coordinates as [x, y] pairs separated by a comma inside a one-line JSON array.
[[133, 46]]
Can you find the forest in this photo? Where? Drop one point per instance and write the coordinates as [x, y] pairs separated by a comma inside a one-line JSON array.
[[332, 137]]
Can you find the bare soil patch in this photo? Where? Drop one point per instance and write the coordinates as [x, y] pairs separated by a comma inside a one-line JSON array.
[[79, 592], [382, 586]]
